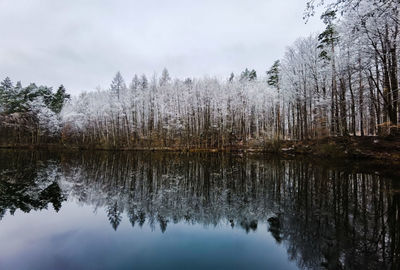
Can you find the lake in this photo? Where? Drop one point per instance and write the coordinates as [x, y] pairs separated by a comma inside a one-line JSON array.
[[143, 210]]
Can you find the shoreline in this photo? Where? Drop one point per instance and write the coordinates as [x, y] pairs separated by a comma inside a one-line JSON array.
[[354, 148]]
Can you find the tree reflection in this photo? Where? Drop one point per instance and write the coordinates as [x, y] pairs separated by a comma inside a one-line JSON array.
[[114, 214], [329, 217], [27, 184]]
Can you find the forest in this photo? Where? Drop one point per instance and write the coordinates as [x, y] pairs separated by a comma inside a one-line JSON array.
[[341, 82]]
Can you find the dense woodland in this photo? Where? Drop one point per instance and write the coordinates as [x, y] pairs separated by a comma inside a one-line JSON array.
[[341, 82], [31, 114]]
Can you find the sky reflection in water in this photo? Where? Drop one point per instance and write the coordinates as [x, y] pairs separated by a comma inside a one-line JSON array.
[[78, 238]]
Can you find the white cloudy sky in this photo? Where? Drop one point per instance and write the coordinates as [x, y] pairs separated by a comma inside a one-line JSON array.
[[82, 43]]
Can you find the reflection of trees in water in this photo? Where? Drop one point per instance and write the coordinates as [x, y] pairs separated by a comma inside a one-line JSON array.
[[329, 218], [344, 218], [325, 217], [169, 189], [27, 183]]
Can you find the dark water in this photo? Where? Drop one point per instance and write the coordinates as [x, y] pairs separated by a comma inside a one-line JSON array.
[[169, 211]]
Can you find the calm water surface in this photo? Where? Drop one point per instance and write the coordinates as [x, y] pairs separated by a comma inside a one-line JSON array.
[[204, 211]]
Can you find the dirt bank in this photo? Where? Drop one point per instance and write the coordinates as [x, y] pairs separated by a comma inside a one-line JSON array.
[[367, 147]]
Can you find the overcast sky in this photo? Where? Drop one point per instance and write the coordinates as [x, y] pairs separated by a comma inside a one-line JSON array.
[[83, 43]]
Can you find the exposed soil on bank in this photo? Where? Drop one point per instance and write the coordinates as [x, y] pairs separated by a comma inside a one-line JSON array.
[[367, 147]]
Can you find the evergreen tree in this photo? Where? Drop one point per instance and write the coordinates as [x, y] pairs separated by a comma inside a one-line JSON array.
[[135, 83], [253, 75], [144, 83], [248, 75], [18, 86], [46, 93], [5, 88], [273, 75], [244, 76], [165, 78], [114, 215], [118, 84], [329, 37], [188, 82], [328, 40], [231, 77], [59, 99], [6, 85]]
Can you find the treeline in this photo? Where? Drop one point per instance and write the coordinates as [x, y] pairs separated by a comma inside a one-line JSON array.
[[194, 113], [30, 114], [342, 82]]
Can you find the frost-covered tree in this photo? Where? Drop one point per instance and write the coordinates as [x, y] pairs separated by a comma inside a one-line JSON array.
[[48, 122], [165, 78], [117, 85], [134, 85], [30, 114], [59, 99], [248, 75], [189, 113], [368, 32], [144, 83], [342, 82], [273, 75]]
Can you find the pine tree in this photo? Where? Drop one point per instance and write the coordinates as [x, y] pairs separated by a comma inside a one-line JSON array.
[[231, 77], [273, 75], [135, 83], [244, 76], [114, 215], [59, 99], [248, 75], [273, 80], [118, 84], [328, 40], [6, 84], [144, 83], [252, 75], [165, 78], [6, 87]]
